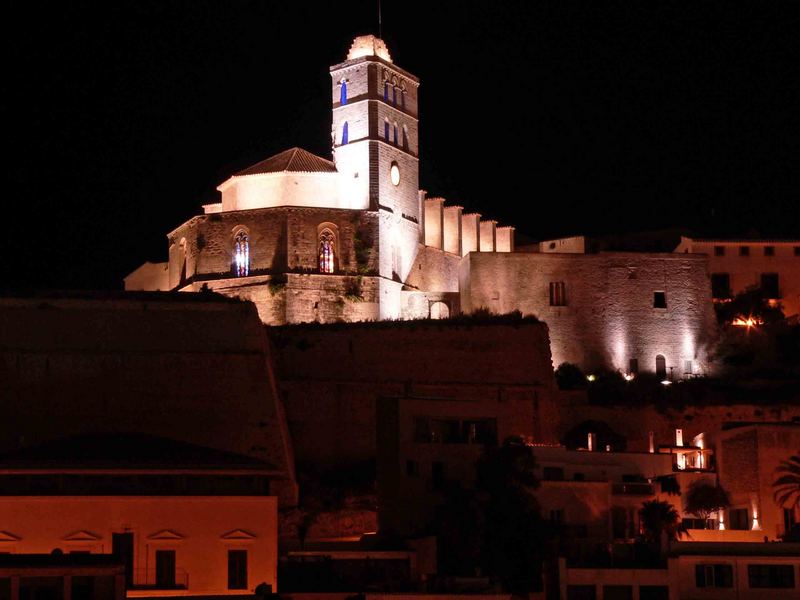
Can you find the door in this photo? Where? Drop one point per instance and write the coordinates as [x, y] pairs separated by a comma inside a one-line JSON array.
[[165, 569], [122, 547]]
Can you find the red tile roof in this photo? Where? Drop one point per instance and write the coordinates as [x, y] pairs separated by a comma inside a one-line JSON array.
[[293, 159]]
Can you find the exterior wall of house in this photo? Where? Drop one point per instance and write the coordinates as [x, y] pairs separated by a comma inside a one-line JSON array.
[[745, 269], [268, 190], [200, 529], [190, 368], [609, 315], [748, 457], [334, 374]]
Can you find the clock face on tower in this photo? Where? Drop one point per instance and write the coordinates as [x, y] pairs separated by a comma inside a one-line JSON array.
[[394, 174]]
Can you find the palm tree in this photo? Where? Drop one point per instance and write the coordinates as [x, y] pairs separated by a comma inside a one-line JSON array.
[[660, 522], [787, 485]]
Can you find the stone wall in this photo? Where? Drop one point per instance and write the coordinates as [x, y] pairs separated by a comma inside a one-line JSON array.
[[331, 375], [609, 315]]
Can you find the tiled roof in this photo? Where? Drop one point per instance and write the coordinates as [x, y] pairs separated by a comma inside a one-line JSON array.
[[294, 160]]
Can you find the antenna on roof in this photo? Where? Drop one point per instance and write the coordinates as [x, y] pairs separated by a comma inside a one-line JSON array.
[[380, 24]]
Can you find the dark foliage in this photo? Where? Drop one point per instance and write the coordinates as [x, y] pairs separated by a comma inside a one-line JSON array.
[[570, 377], [702, 499]]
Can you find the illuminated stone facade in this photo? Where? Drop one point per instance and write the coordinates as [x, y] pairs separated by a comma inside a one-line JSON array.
[[353, 239]]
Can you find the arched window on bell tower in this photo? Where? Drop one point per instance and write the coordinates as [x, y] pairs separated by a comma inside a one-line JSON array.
[[386, 130], [241, 254], [386, 91], [405, 137], [327, 251], [344, 134], [343, 93], [395, 133]]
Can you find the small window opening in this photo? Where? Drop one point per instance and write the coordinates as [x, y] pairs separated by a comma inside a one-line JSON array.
[[659, 300]]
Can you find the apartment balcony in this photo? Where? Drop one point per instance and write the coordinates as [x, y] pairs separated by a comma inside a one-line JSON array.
[[632, 489], [150, 579]]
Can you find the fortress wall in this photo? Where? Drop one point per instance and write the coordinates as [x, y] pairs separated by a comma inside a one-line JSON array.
[[434, 270], [331, 375], [609, 316]]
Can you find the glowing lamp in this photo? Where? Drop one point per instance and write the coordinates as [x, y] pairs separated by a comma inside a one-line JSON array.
[[666, 382], [628, 376], [591, 378]]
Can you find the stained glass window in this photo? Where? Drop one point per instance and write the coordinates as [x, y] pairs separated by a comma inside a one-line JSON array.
[[241, 254], [343, 94], [327, 243]]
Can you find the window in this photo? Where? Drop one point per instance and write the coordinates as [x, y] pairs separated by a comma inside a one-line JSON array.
[[717, 575], [412, 468], [581, 592], [719, 250], [771, 576], [241, 254], [237, 569], [633, 366], [327, 251], [386, 129], [744, 250], [661, 366], [738, 519], [386, 91], [720, 286], [687, 367], [345, 135], [437, 474], [395, 133], [769, 285], [405, 137], [659, 300], [394, 96], [165, 569], [653, 592], [769, 250], [617, 592], [558, 293], [343, 93], [455, 431]]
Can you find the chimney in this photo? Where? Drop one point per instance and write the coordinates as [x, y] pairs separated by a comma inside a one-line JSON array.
[[679, 437]]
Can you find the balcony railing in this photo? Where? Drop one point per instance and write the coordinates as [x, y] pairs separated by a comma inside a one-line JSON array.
[[632, 489], [147, 579]]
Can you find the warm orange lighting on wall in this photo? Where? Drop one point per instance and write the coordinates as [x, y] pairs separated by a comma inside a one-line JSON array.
[[747, 322]]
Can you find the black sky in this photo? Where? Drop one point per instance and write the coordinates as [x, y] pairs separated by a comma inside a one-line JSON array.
[[556, 117]]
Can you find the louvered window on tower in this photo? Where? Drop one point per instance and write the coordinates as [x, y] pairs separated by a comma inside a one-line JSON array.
[[558, 293], [343, 96], [344, 134], [386, 130]]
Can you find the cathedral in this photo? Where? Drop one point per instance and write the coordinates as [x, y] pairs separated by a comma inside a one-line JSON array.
[[307, 239]]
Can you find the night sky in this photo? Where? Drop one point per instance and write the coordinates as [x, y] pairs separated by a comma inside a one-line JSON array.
[[559, 117]]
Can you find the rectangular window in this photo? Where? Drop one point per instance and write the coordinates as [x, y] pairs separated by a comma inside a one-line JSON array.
[[738, 519], [769, 250], [479, 431], [437, 475], [719, 250], [617, 592], [771, 576], [720, 286], [558, 293], [770, 285], [653, 592], [744, 250], [659, 300], [687, 367], [581, 592], [715, 575], [237, 569]]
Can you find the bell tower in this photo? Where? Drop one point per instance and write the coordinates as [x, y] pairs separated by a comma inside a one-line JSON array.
[[375, 147]]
